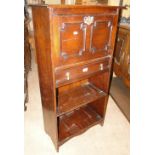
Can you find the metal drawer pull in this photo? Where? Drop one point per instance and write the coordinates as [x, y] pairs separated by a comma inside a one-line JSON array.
[[68, 75], [101, 66], [85, 69]]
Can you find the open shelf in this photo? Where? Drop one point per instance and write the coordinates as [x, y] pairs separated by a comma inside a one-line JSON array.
[[77, 97], [76, 122]]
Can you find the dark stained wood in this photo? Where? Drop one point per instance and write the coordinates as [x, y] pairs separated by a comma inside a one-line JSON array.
[[76, 122], [77, 97], [126, 69], [73, 85], [122, 54], [69, 75], [83, 9], [74, 45], [102, 82], [46, 78], [87, 40]]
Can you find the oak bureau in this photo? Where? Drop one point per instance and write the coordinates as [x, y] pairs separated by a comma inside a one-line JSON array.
[[74, 46]]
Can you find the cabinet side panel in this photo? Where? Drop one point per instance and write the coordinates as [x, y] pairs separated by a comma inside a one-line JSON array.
[[46, 79]]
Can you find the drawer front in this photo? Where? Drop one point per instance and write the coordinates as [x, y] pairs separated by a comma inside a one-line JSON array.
[[73, 74], [81, 38]]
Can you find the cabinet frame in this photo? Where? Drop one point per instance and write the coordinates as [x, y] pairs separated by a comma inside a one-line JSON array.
[[47, 29]]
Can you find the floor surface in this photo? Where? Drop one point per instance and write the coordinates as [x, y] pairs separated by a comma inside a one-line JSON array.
[[121, 95]]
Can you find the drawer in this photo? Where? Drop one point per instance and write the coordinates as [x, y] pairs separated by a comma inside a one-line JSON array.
[[69, 75]]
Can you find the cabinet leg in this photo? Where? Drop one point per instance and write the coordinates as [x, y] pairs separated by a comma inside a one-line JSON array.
[[57, 149], [102, 123], [25, 107]]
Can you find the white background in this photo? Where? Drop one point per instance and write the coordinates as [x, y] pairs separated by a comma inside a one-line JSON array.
[[142, 77]]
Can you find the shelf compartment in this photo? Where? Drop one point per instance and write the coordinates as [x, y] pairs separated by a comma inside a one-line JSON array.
[[77, 97], [76, 122]]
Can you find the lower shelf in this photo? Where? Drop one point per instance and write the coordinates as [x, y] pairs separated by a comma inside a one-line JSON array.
[[76, 122]]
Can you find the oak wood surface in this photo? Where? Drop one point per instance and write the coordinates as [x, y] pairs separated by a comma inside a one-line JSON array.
[[79, 72], [76, 122], [77, 97], [46, 79], [74, 46], [122, 54]]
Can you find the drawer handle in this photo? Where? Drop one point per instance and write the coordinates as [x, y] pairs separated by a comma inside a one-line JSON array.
[[85, 69], [101, 67], [68, 75]]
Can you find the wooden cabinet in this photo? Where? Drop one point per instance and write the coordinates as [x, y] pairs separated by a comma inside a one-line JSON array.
[[122, 54], [74, 46]]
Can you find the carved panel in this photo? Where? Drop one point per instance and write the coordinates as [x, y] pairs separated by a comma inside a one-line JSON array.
[[100, 36], [72, 39]]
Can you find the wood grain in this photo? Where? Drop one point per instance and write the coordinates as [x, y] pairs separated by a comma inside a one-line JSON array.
[[74, 46]]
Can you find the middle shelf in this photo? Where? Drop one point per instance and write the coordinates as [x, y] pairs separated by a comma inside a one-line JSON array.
[[77, 97]]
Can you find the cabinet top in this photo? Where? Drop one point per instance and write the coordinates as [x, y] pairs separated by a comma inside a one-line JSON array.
[[80, 9], [64, 6]]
